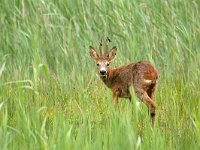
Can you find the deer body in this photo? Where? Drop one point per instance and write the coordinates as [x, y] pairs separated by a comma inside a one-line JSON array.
[[141, 75]]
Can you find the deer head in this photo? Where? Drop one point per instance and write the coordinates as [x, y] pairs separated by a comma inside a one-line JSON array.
[[103, 60]]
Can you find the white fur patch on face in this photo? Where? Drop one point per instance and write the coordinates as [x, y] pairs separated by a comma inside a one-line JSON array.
[[103, 69], [148, 81]]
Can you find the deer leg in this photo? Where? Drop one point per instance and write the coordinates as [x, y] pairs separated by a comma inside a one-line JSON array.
[[151, 91], [142, 95], [116, 97]]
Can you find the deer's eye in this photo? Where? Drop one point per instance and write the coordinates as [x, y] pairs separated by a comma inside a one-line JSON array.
[[97, 64], [108, 64]]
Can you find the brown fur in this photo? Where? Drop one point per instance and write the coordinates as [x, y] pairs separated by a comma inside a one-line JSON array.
[[141, 75]]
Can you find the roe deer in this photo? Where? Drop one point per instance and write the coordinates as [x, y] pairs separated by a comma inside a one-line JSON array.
[[141, 75]]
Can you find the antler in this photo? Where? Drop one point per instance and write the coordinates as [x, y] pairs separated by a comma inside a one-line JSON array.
[[107, 42], [100, 48]]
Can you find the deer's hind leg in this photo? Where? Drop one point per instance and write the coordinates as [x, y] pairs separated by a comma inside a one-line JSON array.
[[151, 91], [143, 96]]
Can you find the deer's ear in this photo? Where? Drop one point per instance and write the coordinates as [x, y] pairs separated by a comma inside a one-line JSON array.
[[93, 53], [112, 53]]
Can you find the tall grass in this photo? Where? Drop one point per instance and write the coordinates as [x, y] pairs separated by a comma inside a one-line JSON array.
[[50, 97]]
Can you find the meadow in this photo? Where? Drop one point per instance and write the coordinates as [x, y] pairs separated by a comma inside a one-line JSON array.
[[51, 97]]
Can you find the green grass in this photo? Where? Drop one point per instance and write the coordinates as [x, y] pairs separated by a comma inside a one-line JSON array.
[[50, 97]]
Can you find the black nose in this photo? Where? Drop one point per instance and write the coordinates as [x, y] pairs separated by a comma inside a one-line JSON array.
[[102, 72]]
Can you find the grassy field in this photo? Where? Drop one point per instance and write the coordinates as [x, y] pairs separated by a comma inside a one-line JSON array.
[[50, 96]]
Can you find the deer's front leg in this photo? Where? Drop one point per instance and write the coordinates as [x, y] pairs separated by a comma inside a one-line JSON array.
[[115, 99], [116, 95]]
